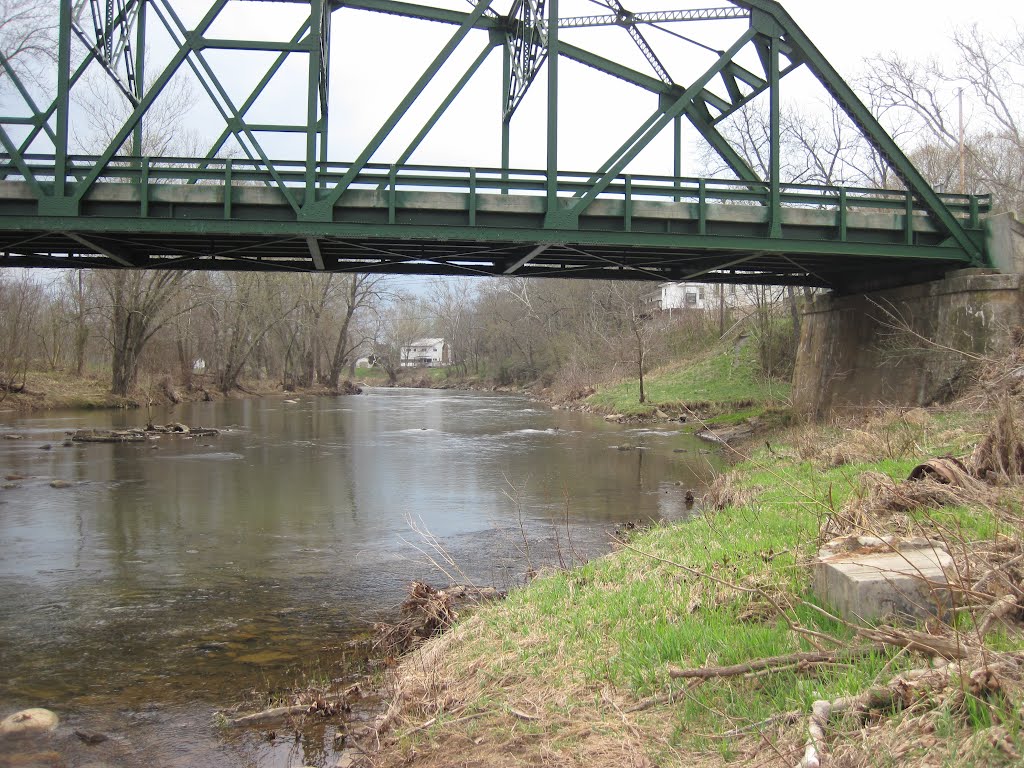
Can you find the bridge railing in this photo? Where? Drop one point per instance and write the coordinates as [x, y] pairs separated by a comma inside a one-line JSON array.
[[291, 176]]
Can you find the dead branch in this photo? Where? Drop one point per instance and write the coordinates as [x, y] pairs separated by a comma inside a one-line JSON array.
[[919, 642], [773, 663], [900, 692], [276, 714], [997, 611]]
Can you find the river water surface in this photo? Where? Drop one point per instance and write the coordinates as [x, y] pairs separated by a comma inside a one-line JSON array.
[[175, 578]]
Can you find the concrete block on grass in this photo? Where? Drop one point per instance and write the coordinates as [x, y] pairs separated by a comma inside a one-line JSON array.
[[903, 583]]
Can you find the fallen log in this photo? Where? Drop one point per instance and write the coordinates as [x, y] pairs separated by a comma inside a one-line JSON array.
[[109, 436]]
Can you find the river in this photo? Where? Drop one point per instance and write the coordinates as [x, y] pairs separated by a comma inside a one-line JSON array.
[[173, 578]]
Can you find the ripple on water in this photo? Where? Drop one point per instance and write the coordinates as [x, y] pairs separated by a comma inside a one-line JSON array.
[[212, 456]]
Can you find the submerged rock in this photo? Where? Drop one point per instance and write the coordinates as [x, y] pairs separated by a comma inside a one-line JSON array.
[[29, 721]]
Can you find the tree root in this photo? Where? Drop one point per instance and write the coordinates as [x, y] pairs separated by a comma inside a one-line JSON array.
[[899, 693]]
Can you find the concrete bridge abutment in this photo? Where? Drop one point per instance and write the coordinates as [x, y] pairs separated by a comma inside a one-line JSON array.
[[914, 345]]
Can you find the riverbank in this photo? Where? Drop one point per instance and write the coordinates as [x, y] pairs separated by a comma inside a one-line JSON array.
[[64, 390], [628, 661]]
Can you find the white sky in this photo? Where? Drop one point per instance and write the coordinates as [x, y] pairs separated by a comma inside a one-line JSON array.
[[916, 28], [377, 57]]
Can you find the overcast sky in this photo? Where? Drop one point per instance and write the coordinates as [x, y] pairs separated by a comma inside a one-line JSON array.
[[376, 58]]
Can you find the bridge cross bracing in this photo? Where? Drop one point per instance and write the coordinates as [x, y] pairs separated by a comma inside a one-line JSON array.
[[242, 204]]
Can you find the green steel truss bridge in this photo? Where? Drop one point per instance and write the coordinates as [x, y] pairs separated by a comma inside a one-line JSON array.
[[250, 208]]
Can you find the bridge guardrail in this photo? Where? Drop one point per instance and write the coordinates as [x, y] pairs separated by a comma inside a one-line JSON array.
[[630, 188]]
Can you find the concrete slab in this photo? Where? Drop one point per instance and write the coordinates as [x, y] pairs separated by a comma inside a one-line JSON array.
[[872, 585]]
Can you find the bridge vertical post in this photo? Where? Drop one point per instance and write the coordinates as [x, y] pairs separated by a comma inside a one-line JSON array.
[[315, 63], [144, 186], [140, 73], [506, 119], [228, 166], [627, 215], [677, 164], [63, 99], [392, 184], [552, 169], [325, 34], [775, 202], [908, 223], [702, 207], [843, 221]]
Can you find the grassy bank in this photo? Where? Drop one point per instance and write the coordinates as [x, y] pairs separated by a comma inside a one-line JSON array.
[[575, 669], [721, 379], [46, 390], [63, 390]]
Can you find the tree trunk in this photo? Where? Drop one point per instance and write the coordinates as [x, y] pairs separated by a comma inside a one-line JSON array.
[[341, 349], [81, 329]]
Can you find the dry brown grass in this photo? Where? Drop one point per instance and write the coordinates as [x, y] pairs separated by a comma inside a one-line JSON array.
[[724, 492], [887, 434], [467, 709]]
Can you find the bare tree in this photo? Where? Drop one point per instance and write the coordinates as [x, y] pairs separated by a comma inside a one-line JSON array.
[[818, 145], [244, 309], [634, 327], [358, 293], [136, 304], [21, 299], [27, 32], [451, 301], [401, 322], [989, 72]]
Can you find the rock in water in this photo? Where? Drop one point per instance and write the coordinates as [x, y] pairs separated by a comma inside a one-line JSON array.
[[29, 721], [91, 738]]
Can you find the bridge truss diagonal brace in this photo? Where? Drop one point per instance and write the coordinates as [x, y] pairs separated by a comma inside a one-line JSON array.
[[95, 248], [221, 99], [668, 95], [314, 252], [872, 130], [144, 104], [569, 218], [524, 260], [321, 210]]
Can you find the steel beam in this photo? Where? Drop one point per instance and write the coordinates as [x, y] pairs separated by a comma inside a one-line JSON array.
[[513, 267], [94, 248], [314, 252]]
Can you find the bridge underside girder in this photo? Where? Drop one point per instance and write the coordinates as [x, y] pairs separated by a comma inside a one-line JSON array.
[[836, 246], [428, 256]]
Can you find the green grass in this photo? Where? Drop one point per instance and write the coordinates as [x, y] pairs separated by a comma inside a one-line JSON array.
[[682, 597], [722, 379], [434, 376]]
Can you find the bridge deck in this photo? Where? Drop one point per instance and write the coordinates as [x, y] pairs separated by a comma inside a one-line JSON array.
[[466, 221]]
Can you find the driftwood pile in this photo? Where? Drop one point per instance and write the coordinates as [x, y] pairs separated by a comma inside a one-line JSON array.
[[139, 435], [427, 612]]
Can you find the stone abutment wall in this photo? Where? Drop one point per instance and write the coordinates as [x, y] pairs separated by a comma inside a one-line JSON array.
[[915, 345]]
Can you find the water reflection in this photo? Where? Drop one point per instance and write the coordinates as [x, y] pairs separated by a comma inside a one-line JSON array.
[[174, 576]]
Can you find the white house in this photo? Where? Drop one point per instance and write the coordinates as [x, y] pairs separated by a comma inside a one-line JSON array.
[[426, 353], [698, 296]]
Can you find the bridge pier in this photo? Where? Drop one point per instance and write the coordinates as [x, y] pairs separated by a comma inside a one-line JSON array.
[[915, 345]]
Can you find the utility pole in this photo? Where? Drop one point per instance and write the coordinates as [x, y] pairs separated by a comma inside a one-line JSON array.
[[963, 162]]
